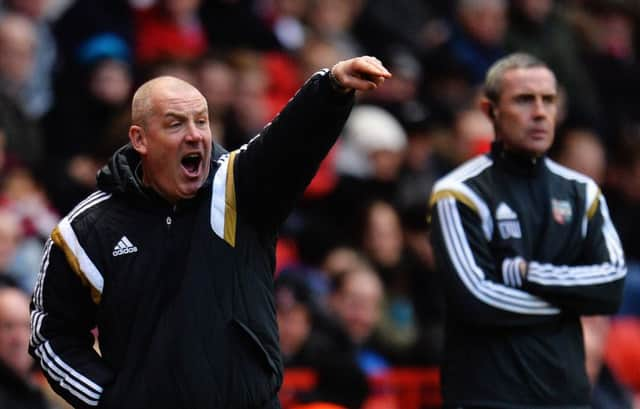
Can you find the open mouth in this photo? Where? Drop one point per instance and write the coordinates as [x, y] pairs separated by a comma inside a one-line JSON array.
[[191, 163]]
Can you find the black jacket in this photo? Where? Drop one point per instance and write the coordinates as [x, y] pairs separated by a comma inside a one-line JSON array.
[[16, 393], [181, 295], [514, 342]]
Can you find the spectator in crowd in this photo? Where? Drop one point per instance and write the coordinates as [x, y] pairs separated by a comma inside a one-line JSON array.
[[22, 198], [217, 80], [342, 258], [422, 28], [608, 392], [170, 29], [236, 25], [18, 44], [539, 28], [612, 63], [582, 150], [172, 208], [10, 236], [408, 332], [17, 388], [623, 191], [286, 19], [98, 111], [368, 161], [332, 20], [250, 102], [37, 96], [472, 135], [525, 247], [309, 339], [356, 302], [477, 38]]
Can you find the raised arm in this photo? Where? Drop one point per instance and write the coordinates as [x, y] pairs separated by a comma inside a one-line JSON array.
[[273, 169]]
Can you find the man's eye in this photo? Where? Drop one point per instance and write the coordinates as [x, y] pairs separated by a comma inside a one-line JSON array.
[[522, 99], [174, 124]]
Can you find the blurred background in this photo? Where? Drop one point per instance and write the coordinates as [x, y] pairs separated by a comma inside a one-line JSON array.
[[359, 302]]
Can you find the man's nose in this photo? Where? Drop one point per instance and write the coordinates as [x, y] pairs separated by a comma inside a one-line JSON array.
[[194, 134], [539, 108]]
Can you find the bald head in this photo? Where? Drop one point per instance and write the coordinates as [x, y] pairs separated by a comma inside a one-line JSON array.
[[145, 97], [172, 135]]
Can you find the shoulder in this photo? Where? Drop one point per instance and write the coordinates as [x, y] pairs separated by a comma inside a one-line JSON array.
[[459, 186], [569, 175], [457, 183], [85, 215], [585, 185]]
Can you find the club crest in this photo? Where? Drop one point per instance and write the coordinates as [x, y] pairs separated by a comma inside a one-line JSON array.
[[561, 210]]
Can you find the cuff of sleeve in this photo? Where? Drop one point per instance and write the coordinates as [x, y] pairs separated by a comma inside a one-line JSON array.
[[336, 92], [511, 272]]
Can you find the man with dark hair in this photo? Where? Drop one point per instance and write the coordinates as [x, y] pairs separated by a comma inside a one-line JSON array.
[[525, 247], [173, 257]]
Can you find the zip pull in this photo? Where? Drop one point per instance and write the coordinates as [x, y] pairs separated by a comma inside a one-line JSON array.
[[169, 220]]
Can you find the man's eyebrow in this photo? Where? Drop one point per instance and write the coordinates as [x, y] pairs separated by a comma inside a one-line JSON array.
[[179, 115], [174, 114]]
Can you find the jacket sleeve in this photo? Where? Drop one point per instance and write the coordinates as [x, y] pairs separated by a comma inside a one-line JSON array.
[[461, 230], [62, 316], [273, 169], [595, 285]]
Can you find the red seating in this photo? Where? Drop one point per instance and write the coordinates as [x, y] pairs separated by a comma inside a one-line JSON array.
[[397, 388], [296, 380]]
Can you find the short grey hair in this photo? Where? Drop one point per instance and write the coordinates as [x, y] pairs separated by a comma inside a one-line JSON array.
[[495, 74]]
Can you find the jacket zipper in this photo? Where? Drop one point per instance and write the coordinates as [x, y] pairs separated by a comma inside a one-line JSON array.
[[169, 219]]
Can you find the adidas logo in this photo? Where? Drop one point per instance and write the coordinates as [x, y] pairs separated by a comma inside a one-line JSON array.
[[504, 212], [124, 246], [508, 224]]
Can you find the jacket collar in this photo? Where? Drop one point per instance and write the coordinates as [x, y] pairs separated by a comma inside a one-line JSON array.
[[516, 163]]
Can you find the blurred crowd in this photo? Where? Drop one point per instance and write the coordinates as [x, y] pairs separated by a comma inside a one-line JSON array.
[[357, 292]]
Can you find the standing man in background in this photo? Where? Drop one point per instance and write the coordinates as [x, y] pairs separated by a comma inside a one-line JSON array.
[[526, 247], [173, 258]]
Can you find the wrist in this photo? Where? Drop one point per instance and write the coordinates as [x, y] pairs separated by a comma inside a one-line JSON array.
[[336, 84], [523, 268]]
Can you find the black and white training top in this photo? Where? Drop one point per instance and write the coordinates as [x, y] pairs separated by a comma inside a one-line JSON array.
[[515, 341]]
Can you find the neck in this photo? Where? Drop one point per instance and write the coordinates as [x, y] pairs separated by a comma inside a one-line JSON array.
[[517, 162], [145, 181]]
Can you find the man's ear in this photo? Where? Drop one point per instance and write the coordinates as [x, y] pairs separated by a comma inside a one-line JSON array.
[[138, 139], [488, 107]]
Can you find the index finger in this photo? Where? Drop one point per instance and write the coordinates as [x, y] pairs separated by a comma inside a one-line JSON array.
[[374, 67]]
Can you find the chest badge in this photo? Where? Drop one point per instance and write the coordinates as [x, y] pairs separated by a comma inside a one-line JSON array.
[[124, 246], [508, 224], [561, 210]]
